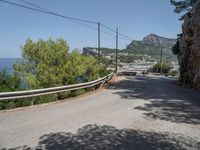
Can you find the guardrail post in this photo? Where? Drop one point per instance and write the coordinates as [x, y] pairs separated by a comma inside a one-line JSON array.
[[89, 89], [97, 86], [32, 101]]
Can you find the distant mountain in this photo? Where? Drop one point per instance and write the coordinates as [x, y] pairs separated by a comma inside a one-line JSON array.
[[151, 45], [158, 40]]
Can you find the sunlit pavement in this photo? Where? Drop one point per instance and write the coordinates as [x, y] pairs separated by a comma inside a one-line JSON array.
[[134, 113]]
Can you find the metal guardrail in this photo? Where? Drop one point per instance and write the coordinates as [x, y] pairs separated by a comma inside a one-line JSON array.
[[47, 91]]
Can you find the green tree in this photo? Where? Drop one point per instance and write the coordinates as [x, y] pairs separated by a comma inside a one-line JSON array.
[[43, 63], [157, 68], [49, 64], [8, 82], [93, 69]]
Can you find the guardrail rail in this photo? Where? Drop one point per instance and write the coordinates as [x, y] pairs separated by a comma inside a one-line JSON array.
[[47, 91]]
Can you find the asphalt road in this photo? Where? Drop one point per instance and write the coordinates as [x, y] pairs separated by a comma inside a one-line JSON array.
[[133, 113]]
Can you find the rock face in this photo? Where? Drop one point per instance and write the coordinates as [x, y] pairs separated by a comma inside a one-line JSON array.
[[158, 40], [151, 45], [189, 43]]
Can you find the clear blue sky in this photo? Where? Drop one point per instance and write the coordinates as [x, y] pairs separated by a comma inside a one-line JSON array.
[[135, 18]]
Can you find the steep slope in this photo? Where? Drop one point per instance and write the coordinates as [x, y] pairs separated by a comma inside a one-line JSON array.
[[151, 45]]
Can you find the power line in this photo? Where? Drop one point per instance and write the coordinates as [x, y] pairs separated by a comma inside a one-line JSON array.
[[109, 28], [47, 12], [31, 4], [43, 10], [88, 26], [126, 37], [76, 20], [108, 33], [111, 34]]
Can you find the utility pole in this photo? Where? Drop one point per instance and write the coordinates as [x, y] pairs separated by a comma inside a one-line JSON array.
[[161, 60], [116, 65], [99, 31]]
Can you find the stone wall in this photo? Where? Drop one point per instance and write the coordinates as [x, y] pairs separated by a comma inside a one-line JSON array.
[[189, 43]]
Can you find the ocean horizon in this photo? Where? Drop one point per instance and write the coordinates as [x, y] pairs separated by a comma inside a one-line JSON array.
[[7, 63]]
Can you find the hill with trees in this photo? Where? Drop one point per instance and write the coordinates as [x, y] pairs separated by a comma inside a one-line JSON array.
[[151, 45]]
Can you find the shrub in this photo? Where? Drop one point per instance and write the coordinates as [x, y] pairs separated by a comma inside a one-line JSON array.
[[174, 73], [157, 68]]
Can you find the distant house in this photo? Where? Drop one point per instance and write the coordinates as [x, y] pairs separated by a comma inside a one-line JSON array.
[[90, 51]]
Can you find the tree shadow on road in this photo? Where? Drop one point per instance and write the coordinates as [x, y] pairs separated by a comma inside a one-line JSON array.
[[165, 99], [94, 137]]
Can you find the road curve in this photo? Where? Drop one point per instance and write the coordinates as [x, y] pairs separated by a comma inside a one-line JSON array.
[[133, 113]]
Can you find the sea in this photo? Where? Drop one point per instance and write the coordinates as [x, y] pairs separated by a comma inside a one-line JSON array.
[[7, 63]]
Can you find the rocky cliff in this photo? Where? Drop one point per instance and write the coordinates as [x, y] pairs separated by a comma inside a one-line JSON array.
[[151, 45], [158, 40], [189, 48]]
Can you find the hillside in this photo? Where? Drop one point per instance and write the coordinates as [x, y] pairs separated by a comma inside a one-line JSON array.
[[151, 45]]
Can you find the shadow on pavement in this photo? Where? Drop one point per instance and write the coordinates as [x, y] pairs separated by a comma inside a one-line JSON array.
[[94, 137], [165, 100]]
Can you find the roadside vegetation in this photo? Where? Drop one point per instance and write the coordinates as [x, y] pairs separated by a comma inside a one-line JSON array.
[[8, 82], [166, 67], [174, 73], [46, 64]]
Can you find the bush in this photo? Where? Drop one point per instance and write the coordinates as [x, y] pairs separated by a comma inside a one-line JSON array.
[[8, 82], [157, 68], [174, 73]]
